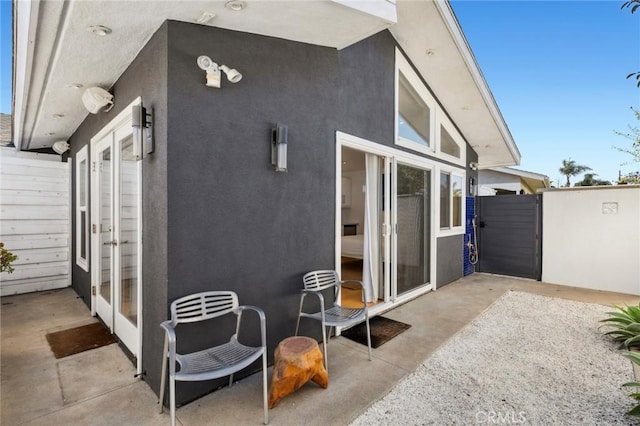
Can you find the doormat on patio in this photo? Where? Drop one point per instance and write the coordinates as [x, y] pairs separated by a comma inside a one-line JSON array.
[[79, 339], [382, 330]]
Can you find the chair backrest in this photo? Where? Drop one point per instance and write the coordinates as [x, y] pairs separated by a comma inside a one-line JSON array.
[[203, 306], [320, 280]]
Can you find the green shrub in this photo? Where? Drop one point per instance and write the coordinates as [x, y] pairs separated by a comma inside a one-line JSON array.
[[6, 259]]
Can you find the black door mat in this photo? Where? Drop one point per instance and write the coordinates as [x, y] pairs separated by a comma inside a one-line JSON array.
[[382, 330], [79, 339]]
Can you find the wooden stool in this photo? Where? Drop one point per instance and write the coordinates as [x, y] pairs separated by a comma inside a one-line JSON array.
[[297, 360]]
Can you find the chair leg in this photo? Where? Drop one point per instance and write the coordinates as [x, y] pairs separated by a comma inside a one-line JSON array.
[[299, 312], [231, 380], [264, 387], [369, 337], [163, 378], [172, 398], [324, 348]]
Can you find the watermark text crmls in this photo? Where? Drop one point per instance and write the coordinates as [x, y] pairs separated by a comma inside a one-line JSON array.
[[501, 417]]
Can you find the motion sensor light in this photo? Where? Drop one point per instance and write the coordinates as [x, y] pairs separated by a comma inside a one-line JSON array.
[[213, 72]]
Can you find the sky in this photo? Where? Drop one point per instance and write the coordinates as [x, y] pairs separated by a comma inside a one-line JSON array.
[[6, 52], [557, 70]]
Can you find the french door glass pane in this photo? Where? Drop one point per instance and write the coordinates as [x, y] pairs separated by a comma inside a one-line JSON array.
[[413, 227], [445, 191], [457, 200], [105, 224], [128, 184]]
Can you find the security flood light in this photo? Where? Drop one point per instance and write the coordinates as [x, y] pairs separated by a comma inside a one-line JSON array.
[[213, 72]]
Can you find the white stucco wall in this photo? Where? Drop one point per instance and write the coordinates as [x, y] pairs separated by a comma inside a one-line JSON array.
[[490, 179], [591, 238]]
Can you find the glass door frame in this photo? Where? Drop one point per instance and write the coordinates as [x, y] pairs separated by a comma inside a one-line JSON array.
[[120, 125], [391, 158]]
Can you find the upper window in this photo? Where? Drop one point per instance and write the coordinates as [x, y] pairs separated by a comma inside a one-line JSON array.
[[447, 144], [413, 114], [421, 124], [415, 110], [82, 220]]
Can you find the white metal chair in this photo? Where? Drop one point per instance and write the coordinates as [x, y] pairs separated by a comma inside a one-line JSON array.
[[336, 316], [215, 362]]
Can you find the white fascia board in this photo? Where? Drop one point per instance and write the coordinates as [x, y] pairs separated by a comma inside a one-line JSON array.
[[25, 31], [382, 9], [522, 173], [453, 25]]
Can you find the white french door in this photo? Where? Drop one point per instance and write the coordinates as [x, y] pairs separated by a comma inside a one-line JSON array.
[[116, 234]]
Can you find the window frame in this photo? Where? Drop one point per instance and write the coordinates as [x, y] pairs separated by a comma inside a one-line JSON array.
[[437, 117], [82, 156], [403, 66], [443, 121], [453, 172]]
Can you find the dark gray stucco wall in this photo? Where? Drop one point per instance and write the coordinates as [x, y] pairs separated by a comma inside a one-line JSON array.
[[449, 261], [450, 266], [233, 222], [145, 77]]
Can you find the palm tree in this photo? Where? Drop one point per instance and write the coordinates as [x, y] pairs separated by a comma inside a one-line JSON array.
[[589, 179], [570, 168]]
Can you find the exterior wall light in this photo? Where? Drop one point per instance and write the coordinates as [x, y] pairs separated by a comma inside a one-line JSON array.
[[213, 72], [95, 98], [279, 147]]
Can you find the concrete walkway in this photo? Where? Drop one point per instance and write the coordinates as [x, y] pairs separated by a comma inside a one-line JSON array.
[[98, 387]]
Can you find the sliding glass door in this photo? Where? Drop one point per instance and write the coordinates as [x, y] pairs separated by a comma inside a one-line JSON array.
[[412, 236], [385, 221]]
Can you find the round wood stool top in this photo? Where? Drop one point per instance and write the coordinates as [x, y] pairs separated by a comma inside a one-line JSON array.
[[296, 346]]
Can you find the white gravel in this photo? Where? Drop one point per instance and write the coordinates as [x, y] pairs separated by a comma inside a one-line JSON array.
[[527, 359]]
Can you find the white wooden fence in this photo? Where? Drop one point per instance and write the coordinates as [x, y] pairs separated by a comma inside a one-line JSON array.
[[35, 221]]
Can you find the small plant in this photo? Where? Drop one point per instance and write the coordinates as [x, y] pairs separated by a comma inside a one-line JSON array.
[[626, 326], [6, 259], [635, 358]]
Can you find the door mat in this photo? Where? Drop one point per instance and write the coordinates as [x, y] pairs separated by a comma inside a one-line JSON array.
[[79, 339], [382, 330]]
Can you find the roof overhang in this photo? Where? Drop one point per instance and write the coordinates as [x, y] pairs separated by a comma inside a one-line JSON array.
[[431, 37], [534, 181], [54, 50]]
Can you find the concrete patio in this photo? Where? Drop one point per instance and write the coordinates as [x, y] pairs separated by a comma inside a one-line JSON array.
[[98, 386]]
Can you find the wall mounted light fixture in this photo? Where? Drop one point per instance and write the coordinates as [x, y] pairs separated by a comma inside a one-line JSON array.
[[279, 142], [60, 147], [213, 72], [142, 122]]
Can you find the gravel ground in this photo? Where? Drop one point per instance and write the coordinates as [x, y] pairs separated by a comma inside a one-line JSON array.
[[527, 359]]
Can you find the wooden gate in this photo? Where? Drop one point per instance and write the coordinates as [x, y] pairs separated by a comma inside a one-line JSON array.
[[510, 235]]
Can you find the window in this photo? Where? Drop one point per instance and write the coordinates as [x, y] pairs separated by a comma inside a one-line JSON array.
[[415, 110], [451, 207], [447, 144], [82, 220], [413, 114], [421, 124]]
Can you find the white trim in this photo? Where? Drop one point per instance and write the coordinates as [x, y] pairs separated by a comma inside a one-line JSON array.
[[450, 230], [81, 156], [437, 117], [448, 16], [403, 66], [393, 155], [443, 121], [25, 17], [117, 123]]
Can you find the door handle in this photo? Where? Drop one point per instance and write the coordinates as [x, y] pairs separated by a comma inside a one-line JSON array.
[[112, 243]]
